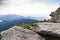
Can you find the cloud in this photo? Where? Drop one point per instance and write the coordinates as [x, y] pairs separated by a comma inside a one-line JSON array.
[[3, 2], [27, 8], [0, 2], [47, 1]]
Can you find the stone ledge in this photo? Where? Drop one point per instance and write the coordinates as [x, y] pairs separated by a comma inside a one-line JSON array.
[[48, 33]]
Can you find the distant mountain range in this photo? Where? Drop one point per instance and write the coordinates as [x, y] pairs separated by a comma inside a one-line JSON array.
[[12, 17], [7, 21]]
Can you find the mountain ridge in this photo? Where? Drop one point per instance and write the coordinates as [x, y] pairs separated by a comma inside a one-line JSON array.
[[11, 20]]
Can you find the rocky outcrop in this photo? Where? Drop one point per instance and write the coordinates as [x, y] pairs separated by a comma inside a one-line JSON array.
[[43, 29], [18, 33], [55, 16], [52, 29], [48, 28]]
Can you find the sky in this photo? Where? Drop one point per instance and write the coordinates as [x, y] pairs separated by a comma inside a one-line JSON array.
[[35, 8]]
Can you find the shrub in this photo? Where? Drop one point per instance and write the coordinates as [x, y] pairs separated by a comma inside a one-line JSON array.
[[18, 24], [25, 26], [34, 25]]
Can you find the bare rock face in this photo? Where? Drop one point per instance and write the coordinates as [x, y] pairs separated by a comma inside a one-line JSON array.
[[55, 16], [47, 28], [18, 33], [52, 29]]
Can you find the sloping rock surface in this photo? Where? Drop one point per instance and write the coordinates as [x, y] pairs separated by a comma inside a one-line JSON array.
[[18, 33], [52, 27], [48, 28]]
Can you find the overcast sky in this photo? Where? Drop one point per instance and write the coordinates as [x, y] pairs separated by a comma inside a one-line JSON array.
[[28, 7]]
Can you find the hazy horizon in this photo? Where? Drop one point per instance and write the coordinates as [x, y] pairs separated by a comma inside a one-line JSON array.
[[35, 8]]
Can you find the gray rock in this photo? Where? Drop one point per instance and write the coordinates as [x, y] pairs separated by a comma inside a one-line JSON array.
[[18, 33], [53, 27], [46, 28]]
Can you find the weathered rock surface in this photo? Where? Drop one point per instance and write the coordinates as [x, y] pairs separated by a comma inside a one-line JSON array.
[[46, 28], [18, 33], [53, 27]]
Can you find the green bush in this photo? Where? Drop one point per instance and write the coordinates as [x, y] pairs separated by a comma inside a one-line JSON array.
[[18, 24], [34, 25], [25, 26]]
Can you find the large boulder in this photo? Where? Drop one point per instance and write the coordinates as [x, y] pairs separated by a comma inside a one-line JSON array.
[[53, 27], [18, 33], [47, 28]]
